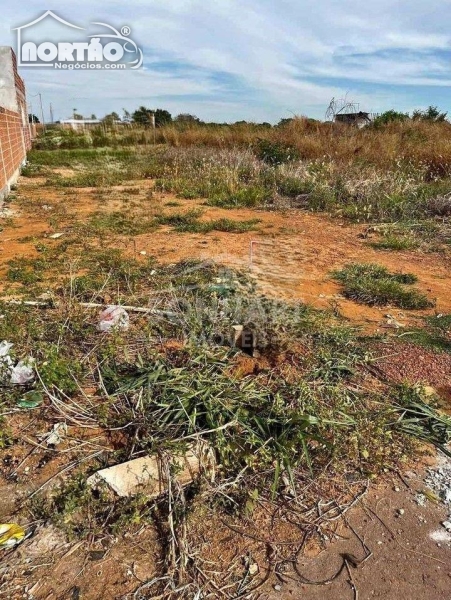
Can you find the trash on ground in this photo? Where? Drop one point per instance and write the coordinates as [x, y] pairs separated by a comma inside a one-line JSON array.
[[31, 399], [56, 236], [392, 323], [147, 474], [56, 436], [11, 535], [23, 372], [113, 317], [5, 359]]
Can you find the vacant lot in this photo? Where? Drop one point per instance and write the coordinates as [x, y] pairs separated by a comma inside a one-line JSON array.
[[335, 259]]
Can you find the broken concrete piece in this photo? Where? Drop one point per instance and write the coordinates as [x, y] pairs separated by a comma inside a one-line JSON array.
[[148, 476], [56, 236]]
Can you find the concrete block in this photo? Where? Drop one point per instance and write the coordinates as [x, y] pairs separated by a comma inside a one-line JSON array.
[[147, 475]]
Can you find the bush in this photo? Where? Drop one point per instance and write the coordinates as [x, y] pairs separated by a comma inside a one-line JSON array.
[[275, 153]]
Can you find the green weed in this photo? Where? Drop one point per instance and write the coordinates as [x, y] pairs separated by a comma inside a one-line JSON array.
[[374, 285]]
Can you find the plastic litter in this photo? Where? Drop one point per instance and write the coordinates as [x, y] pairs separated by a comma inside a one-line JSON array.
[[5, 359], [57, 435], [31, 399], [11, 535], [113, 317], [23, 372]]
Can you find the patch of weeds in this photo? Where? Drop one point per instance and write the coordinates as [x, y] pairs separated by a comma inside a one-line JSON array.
[[108, 271], [80, 511], [421, 419], [254, 425], [6, 438], [374, 285], [248, 197], [185, 219], [292, 187], [57, 371], [226, 225], [119, 222], [88, 179], [33, 170], [394, 242], [436, 334], [174, 204], [26, 271], [275, 153]]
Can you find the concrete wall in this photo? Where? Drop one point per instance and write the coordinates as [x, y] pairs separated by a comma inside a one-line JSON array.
[[15, 139]]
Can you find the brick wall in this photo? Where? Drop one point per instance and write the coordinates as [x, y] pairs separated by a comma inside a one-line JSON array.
[[15, 139]]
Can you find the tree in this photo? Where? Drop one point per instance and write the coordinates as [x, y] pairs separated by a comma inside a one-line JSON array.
[[284, 122], [390, 116], [33, 119], [111, 118], [142, 116], [431, 114], [93, 117], [187, 119]]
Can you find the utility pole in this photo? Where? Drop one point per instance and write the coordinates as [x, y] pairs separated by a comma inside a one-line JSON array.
[[42, 112], [51, 113]]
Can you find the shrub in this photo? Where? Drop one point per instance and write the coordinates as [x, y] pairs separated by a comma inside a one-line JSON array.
[[275, 153]]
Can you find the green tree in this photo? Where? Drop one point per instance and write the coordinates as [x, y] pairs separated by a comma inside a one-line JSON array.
[[142, 116], [284, 122], [111, 118], [390, 116], [187, 119], [33, 119], [432, 114]]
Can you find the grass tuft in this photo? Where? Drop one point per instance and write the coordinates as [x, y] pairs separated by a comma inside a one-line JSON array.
[[374, 285]]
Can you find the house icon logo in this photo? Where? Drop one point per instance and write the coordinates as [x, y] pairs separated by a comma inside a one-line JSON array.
[[71, 47]]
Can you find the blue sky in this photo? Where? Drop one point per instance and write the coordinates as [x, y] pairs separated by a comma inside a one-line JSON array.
[[228, 60]]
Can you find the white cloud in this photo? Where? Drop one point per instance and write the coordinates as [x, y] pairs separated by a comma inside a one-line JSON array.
[[255, 60]]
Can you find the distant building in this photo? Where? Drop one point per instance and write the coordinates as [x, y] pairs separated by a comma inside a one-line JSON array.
[[80, 124], [359, 119]]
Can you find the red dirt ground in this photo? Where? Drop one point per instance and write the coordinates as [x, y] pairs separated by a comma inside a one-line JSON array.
[[295, 253]]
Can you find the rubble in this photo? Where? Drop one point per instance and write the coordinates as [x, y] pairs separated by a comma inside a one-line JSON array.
[[148, 475]]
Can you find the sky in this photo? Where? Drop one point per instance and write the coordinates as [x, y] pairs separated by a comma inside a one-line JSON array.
[[229, 60]]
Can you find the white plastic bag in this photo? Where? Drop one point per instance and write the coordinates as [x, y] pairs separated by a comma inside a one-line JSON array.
[[113, 317], [23, 372], [5, 358]]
